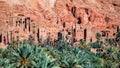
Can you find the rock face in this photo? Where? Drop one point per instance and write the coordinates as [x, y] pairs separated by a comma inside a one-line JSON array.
[[73, 19]]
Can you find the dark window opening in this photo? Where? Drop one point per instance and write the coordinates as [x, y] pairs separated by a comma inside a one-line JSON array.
[[7, 38], [99, 50], [17, 37], [108, 27], [69, 33], [4, 40], [115, 4], [118, 28], [57, 22], [73, 10], [106, 19], [16, 23], [20, 21], [20, 15], [59, 36], [28, 18], [74, 30], [90, 39], [86, 10], [64, 24], [113, 26], [67, 5], [79, 21], [67, 30], [29, 27], [25, 23], [38, 33], [6, 21], [0, 38], [29, 24], [106, 39], [32, 20], [103, 33], [85, 34], [89, 18], [107, 34], [113, 34]]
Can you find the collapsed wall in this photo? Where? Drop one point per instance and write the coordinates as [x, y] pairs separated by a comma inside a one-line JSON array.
[[75, 19]]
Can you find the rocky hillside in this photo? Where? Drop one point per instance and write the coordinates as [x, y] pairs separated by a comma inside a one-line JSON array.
[[74, 19]]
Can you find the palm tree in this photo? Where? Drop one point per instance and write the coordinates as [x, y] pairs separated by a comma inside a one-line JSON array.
[[98, 36], [82, 44], [110, 41], [25, 56], [4, 63], [1, 52]]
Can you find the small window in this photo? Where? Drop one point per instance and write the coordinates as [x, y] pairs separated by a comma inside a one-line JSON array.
[[107, 19], [113, 34], [73, 10], [64, 24], [79, 20], [89, 18], [74, 30], [103, 33], [86, 10], [1, 38], [57, 22], [69, 33]]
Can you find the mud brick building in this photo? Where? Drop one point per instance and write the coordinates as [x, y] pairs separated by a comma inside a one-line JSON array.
[[72, 20]]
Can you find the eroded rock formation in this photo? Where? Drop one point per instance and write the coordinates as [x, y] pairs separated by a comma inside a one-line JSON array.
[[75, 19]]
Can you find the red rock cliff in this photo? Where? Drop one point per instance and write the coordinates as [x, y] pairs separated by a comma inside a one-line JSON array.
[[77, 19]]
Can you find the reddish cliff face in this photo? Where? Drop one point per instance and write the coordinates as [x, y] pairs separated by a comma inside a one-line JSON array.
[[75, 19]]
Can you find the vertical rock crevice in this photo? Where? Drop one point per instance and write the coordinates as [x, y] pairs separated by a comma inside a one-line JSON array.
[[73, 11]]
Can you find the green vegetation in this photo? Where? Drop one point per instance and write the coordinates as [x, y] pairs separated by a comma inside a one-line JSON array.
[[62, 55]]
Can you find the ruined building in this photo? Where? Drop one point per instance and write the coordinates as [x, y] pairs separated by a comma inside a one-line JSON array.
[[70, 20]]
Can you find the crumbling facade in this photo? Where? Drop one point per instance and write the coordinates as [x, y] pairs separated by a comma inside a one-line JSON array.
[[69, 20]]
